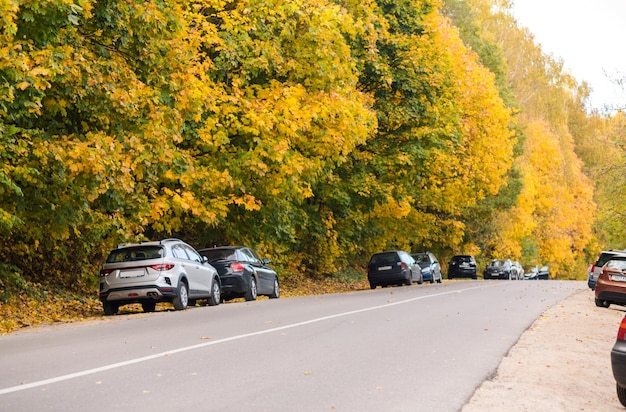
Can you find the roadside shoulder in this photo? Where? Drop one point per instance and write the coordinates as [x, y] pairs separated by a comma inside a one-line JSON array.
[[561, 363]]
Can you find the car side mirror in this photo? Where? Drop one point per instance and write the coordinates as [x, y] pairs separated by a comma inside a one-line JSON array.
[[205, 259], [266, 261]]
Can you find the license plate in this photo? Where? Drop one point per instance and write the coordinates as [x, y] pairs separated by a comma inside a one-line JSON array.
[[384, 268], [618, 278], [464, 265], [132, 273]]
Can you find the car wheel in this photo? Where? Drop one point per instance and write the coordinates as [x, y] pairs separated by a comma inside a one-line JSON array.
[[602, 303], [216, 294], [276, 292], [148, 306], [182, 299], [251, 292], [372, 285], [110, 308], [621, 394]]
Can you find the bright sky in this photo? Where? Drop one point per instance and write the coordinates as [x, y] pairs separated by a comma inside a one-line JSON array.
[[587, 35]]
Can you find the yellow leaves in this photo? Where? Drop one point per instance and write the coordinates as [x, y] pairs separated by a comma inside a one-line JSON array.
[[249, 202]]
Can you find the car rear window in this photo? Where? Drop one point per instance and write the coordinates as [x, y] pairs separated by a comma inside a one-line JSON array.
[[617, 264], [461, 259], [391, 257], [220, 254], [131, 254]]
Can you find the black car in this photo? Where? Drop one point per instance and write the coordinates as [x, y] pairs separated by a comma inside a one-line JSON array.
[[395, 267], [462, 266], [242, 273], [618, 362], [499, 269]]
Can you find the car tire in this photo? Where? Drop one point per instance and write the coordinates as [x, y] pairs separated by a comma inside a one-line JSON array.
[[181, 300], [110, 308], [602, 303], [276, 292], [372, 285], [216, 294], [148, 306], [621, 394], [251, 293]]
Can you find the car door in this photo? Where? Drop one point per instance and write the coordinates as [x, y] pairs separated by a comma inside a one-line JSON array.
[[414, 267], [200, 275], [436, 267], [265, 274]]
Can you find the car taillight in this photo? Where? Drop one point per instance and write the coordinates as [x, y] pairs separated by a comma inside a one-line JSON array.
[[403, 266], [621, 332], [236, 267], [162, 267], [104, 272]]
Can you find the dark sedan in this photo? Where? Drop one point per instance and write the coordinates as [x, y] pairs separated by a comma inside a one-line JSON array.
[[498, 269], [618, 362], [462, 266], [242, 272], [394, 267]]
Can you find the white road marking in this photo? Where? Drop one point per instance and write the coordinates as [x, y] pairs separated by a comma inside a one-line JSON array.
[[216, 342]]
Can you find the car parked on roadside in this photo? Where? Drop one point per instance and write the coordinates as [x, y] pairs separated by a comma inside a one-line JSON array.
[[517, 271], [618, 362], [537, 273], [462, 266], [431, 269], [594, 270], [393, 267], [611, 284], [498, 269], [169, 270], [243, 273]]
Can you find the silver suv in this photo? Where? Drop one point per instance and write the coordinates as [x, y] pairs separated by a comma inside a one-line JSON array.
[[149, 272]]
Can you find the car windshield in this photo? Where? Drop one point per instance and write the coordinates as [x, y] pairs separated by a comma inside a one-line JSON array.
[[497, 263], [130, 254], [220, 254], [421, 258]]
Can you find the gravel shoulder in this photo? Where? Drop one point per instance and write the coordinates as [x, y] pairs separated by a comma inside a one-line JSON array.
[[561, 363]]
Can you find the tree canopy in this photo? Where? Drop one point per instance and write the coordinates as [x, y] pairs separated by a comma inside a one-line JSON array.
[[316, 131]]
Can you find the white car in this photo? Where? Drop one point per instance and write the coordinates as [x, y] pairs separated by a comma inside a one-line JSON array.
[[149, 272]]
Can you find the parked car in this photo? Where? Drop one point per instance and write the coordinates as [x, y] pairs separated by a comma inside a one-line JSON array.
[[462, 266], [498, 269], [594, 271], [611, 284], [169, 270], [394, 267], [517, 270], [618, 362], [431, 269], [243, 273], [537, 273]]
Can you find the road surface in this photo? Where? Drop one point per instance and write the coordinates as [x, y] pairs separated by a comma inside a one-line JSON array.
[[421, 347]]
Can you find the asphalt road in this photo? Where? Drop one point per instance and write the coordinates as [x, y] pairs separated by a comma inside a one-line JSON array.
[[418, 348]]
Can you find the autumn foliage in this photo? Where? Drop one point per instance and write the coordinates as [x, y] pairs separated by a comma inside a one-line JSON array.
[[315, 131]]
